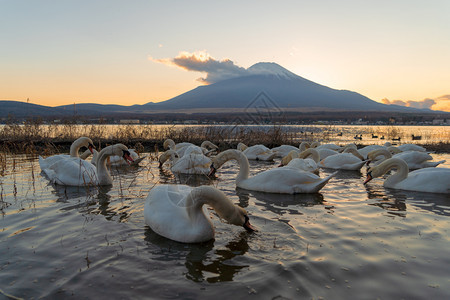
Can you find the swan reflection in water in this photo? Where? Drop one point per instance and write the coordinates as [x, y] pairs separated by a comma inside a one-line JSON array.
[[397, 201], [278, 203], [91, 200], [203, 262]]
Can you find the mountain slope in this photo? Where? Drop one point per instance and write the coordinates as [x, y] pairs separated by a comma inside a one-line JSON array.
[[281, 87]]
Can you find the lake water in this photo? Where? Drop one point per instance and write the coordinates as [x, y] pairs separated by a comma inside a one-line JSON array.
[[348, 241]]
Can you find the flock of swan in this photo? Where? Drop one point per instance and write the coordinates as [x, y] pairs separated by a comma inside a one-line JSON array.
[[177, 211]]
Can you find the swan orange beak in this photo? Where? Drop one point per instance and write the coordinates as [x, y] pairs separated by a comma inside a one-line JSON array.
[[127, 157], [368, 178], [248, 226], [91, 148]]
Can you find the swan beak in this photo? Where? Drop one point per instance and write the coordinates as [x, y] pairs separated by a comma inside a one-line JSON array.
[[368, 178], [212, 171], [127, 157], [280, 165], [248, 226], [91, 148]]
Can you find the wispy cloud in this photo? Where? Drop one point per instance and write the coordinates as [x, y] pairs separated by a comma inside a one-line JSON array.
[[439, 103], [202, 61]]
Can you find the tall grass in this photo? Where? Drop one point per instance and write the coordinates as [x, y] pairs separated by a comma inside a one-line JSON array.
[[35, 137]]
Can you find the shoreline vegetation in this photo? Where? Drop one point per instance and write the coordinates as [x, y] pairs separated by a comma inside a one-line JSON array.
[[36, 138]]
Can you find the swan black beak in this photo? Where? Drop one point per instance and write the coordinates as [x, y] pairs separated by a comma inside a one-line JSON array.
[[247, 225], [368, 178], [127, 157], [212, 171]]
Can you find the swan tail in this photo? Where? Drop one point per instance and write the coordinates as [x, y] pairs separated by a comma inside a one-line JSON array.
[[42, 163], [324, 181]]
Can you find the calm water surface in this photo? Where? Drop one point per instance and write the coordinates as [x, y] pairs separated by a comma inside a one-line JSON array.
[[348, 241]]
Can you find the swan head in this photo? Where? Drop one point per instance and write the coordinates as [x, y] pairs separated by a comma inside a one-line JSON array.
[[369, 176], [122, 150], [83, 142], [223, 157], [291, 155], [169, 144], [242, 146], [208, 144], [172, 154], [240, 218]]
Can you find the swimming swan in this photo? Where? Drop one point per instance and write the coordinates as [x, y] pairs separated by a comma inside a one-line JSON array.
[[257, 152], [302, 161], [284, 180], [78, 172], [431, 180], [284, 150], [414, 159], [192, 163], [349, 160], [177, 212], [74, 148], [206, 147]]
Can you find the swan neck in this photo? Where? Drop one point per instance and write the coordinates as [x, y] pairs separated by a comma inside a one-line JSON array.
[[310, 152], [380, 152], [104, 177], [399, 175], [212, 197], [76, 145], [354, 152]]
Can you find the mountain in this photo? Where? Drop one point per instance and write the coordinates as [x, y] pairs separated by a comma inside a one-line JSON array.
[[279, 87], [263, 86]]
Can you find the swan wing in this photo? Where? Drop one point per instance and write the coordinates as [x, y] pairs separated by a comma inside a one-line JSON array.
[[165, 213], [192, 164], [72, 172], [284, 180], [344, 161], [432, 180], [44, 163]]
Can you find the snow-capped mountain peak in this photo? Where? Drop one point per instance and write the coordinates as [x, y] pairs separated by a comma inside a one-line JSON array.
[[270, 68]]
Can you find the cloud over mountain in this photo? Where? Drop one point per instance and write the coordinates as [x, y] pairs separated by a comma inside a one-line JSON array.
[[439, 103], [201, 61]]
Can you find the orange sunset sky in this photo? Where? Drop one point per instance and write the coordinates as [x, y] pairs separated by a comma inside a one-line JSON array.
[[125, 52]]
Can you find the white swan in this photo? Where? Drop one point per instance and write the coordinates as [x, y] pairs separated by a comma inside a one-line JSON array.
[[364, 151], [349, 160], [302, 161], [325, 152], [411, 147], [78, 172], [431, 180], [256, 152], [283, 180], [74, 148], [284, 150], [192, 163], [177, 212], [414, 159], [206, 147], [329, 146]]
